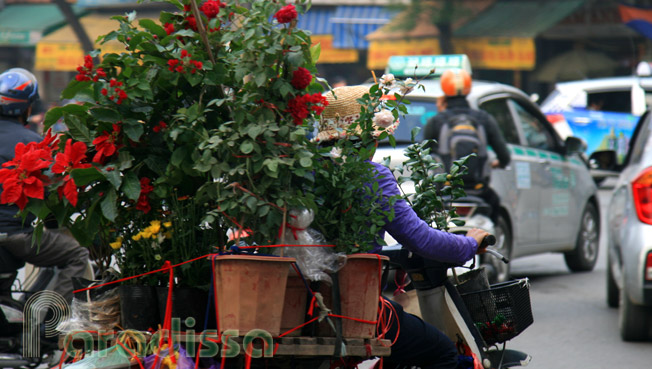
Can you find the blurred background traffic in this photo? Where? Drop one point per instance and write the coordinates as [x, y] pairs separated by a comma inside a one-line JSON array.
[[529, 44]]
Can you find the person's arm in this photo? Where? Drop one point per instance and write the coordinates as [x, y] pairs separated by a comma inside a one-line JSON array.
[[416, 235]]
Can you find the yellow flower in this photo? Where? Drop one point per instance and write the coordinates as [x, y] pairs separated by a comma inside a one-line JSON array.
[[154, 228], [117, 244], [168, 234], [168, 224], [137, 237], [146, 233]]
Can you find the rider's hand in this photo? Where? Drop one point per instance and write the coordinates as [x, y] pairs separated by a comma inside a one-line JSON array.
[[478, 235], [495, 163]]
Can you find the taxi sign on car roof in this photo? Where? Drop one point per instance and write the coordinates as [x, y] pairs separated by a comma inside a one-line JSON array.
[[422, 65]]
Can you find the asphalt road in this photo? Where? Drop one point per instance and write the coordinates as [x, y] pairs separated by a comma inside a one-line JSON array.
[[573, 326]]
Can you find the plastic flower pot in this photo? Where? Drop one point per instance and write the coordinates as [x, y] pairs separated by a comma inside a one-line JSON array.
[[187, 302], [138, 307], [251, 292]]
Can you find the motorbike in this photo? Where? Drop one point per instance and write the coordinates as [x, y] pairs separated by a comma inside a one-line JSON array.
[[13, 330], [478, 317], [475, 212]]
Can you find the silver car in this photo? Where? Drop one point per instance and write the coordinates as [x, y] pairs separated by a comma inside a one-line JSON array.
[[549, 201], [629, 230]]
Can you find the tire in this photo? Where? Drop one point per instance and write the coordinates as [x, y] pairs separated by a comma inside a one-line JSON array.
[[613, 293], [497, 271], [585, 254], [633, 320]]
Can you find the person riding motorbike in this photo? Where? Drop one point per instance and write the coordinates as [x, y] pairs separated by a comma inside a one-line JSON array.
[[456, 85], [18, 92], [417, 343]]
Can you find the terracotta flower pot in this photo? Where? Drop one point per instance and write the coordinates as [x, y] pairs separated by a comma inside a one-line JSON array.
[[360, 281], [294, 308], [251, 291]]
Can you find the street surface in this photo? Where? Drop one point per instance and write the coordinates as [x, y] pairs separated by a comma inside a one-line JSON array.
[[573, 326]]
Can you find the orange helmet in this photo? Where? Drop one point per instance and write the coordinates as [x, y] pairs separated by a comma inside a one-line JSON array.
[[456, 82]]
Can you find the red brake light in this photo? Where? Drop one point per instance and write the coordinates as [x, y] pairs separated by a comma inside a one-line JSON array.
[[554, 118], [464, 211], [642, 191], [648, 267]]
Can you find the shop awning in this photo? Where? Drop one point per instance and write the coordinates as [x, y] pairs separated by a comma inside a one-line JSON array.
[[317, 21], [25, 24], [351, 24], [61, 50], [518, 18]]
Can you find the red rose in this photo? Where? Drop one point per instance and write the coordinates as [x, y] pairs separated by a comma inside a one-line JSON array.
[[301, 78], [210, 8], [192, 22], [286, 14]]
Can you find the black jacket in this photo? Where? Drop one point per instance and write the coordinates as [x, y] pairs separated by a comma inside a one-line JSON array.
[[11, 133], [458, 105]]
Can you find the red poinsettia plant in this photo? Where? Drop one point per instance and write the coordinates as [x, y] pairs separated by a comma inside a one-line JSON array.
[[198, 127]]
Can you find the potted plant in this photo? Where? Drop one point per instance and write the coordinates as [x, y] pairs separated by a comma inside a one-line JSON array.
[[198, 127]]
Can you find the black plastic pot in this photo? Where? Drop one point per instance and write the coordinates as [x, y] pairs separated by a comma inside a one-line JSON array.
[[139, 307], [187, 302]]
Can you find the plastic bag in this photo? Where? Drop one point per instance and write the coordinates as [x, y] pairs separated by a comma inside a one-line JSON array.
[[315, 263], [181, 360], [114, 356], [96, 309]]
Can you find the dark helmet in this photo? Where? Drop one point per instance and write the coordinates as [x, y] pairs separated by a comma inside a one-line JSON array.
[[18, 90]]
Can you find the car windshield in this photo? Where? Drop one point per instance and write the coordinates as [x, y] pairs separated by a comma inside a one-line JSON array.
[[419, 112]]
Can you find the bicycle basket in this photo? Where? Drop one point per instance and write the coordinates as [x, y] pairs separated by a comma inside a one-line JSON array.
[[501, 312]]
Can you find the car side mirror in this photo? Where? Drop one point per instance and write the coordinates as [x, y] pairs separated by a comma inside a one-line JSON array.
[[534, 97], [604, 160], [574, 145]]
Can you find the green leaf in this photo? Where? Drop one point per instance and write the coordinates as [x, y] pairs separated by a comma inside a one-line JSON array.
[[153, 27], [114, 178], [315, 52], [252, 203], [178, 156], [305, 162], [74, 87], [254, 131], [85, 176], [109, 205], [271, 167], [105, 115], [54, 114], [77, 129], [247, 147], [131, 186], [134, 130]]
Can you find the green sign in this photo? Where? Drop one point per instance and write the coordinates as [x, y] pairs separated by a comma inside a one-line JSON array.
[[19, 38], [422, 65]]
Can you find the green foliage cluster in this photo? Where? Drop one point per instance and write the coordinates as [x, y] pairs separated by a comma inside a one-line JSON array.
[[434, 189]]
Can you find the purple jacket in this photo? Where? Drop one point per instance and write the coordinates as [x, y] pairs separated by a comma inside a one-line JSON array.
[[415, 234]]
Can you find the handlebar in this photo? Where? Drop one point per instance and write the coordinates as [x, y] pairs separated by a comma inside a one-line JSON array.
[[491, 240]]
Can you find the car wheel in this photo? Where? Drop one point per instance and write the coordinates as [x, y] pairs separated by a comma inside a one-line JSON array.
[[497, 271], [585, 254], [633, 320], [613, 294]]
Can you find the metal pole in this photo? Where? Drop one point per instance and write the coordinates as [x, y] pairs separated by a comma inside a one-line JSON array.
[[73, 21]]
